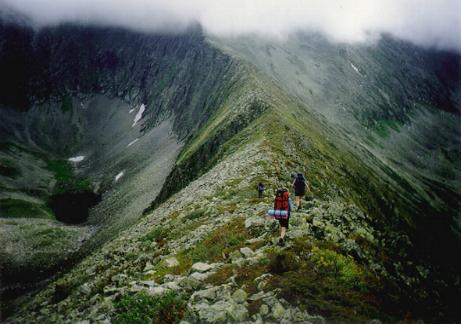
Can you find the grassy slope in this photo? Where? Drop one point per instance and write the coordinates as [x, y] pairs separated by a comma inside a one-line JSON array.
[[285, 137], [32, 240], [337, 169]]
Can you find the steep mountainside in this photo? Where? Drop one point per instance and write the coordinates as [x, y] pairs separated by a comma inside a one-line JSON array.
[[89, 115], [375, 240]]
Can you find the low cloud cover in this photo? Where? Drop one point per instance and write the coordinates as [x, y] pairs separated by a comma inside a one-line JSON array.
[[432, 23]]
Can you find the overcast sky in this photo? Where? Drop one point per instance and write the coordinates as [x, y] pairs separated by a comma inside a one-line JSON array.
[[424, 22]]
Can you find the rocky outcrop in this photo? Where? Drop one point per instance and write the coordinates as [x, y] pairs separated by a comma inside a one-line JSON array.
[[157, 255], [206, 246]]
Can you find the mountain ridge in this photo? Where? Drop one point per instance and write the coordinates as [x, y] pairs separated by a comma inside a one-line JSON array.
[[360, 220]]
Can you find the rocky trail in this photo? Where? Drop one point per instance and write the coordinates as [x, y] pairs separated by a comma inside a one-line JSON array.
[[212, 248], [174, 132]]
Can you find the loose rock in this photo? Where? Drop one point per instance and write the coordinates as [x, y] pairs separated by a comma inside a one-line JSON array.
[[201, 267]]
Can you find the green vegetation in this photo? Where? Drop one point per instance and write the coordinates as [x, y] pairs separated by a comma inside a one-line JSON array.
[[16, 208], [320, 277], [50, 236], [8, 169], [222, 275], [342, 268], [66, 181], [326, 282], [142, 308], [212, 142], [329, 282], [222, 241], [315, 276], [161, 270], [66, 103], [216, 246], [384, 127], [156, 235], [62, 289]]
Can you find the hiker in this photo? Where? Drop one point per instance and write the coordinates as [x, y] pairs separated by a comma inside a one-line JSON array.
[[260, 189], [299, 186], [281, 211]]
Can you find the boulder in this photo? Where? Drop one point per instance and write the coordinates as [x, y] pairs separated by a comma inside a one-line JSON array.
[[199, 276], [148, 266], [278, 311], [238, 313], [208, 294], [211, 314], [255, 225], [156, 290], [201, 267], [235, 255], [247, 252], [171, 262], [239, 296], [264, 310], [172, 285], [85, 289], [189, 283]]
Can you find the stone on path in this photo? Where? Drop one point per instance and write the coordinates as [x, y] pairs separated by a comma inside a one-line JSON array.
[[247, 252], [172, 262], [239, 296], [201, 267]]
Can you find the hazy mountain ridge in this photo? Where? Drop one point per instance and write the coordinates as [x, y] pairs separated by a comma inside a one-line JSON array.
[[256, 129], [391, 97]]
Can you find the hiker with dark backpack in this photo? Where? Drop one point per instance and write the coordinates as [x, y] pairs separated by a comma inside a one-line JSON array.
[[281, 212], [299, 185], [260, 189]]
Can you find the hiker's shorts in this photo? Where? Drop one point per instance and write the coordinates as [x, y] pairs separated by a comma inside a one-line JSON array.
[[284, 222]]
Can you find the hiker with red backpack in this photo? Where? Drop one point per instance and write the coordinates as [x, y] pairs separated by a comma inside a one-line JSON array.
[[281, 212]]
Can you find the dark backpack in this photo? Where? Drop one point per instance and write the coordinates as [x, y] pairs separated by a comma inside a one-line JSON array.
[[300, 183], [281, 200]]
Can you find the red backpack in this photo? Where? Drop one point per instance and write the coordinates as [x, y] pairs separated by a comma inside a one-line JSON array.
[[281, 200]]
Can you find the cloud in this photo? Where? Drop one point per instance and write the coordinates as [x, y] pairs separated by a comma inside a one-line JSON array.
[[434, 23]]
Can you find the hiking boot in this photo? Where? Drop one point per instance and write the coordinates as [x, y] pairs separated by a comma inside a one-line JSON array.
[[281, 242]]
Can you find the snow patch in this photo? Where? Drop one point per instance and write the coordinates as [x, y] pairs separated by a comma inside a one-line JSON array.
[[132, 142], [139, 114], [118, 176], [77, 159], [131, 110], [355, 68]]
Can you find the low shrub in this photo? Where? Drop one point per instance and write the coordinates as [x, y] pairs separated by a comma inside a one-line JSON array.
[[283, 262], [220, 242], [143, 308], [342, 268], [157, 235]]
